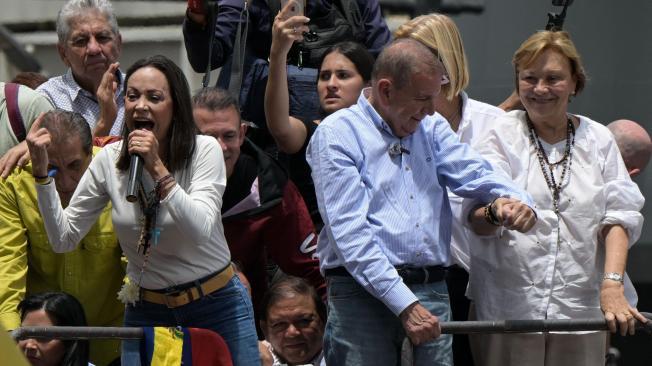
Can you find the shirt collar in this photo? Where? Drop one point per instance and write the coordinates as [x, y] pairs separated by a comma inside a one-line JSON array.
[[75, 89], [71, 84], [371, 112]]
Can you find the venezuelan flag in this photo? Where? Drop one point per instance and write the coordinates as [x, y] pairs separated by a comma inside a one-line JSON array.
[[176, 346]]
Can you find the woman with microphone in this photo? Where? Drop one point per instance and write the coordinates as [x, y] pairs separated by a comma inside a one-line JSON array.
[[179, 265]]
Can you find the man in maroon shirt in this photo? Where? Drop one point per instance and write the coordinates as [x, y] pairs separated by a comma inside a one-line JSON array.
[[263, 213]]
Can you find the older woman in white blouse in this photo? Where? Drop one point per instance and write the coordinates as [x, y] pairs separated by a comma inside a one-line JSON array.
[[572, 263]]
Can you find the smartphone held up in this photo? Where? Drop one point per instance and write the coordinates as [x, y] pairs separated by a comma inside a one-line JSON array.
[[297, 7]]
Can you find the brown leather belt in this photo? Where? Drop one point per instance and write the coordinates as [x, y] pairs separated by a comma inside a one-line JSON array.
[[410, 275], [186, 296]]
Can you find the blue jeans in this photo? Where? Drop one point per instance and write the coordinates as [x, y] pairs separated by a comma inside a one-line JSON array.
[[361, 330], [227, 311]]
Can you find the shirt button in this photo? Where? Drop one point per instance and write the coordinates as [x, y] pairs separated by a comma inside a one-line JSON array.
[[407, 168], [417, 225], [411, 197], [418, 254]]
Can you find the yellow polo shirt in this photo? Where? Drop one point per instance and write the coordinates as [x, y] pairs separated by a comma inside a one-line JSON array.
[[93, 272]]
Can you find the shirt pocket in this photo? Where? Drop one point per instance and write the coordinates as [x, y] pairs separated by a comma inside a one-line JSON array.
[[101, 235]]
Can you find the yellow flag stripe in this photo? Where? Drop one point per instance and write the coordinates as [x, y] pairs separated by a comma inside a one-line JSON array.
[[168, 347]]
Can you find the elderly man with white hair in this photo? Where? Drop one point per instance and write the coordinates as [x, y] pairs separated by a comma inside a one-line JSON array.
[[90, 45]]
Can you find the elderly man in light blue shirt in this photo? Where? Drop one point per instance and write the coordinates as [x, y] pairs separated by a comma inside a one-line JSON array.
[[381, 168]]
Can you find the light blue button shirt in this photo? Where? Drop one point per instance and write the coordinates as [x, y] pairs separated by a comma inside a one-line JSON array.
[[381, 210], [64, 93]]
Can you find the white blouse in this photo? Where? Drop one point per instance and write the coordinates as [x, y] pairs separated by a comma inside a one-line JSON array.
[[477, 119], [191, 244], [555, 270]]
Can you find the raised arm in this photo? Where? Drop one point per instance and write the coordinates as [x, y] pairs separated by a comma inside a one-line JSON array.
[[65, 229], [288, 132], [196, 35]]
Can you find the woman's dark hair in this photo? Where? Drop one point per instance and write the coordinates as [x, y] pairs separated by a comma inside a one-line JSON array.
[[357, 53], [63, 310], [182, 133], [287, 287]]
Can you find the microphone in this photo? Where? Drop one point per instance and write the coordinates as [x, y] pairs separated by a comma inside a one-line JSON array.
[[397, 149], [135, 174]]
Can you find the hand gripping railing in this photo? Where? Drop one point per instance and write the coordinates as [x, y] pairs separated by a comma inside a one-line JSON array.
[[521, 326]]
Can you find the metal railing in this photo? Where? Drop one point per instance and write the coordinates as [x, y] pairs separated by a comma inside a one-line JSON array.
[[453, 327]]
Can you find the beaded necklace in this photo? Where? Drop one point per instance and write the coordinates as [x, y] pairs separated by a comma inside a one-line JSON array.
[[547, 168], [149, 234]]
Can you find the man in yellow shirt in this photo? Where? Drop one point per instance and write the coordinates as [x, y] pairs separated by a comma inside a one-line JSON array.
[[93, 272]]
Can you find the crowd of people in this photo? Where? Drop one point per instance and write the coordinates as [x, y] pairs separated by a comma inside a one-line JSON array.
[[337, 192]]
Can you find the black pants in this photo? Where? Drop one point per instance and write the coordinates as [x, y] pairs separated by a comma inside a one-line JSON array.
[[457, 280]]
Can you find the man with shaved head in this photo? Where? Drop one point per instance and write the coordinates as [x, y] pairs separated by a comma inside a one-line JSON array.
[[381, 169], [634, 144]]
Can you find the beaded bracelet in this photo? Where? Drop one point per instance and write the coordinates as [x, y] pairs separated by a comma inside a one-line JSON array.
[[160, 184], [489, 214], [42, 180]]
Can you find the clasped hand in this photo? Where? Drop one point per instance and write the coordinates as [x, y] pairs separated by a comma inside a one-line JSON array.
[[513, 214]]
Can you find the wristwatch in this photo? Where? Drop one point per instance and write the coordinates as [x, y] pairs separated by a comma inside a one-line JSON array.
[[613, 276]]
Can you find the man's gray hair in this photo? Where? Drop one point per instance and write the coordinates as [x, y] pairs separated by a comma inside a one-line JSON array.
[[402, 58], [76, 8], [65, 125]]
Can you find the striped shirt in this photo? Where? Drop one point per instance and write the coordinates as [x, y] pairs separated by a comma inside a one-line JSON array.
[[64, 93], [381, 210]]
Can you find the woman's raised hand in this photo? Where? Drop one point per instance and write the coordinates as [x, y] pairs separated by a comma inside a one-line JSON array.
[[286, 30], [38, 139]]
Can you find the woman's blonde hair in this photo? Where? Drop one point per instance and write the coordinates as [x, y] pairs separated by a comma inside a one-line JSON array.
[[439, 33], [541, 41]]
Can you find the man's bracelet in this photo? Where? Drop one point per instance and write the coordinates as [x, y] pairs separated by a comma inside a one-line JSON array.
[[489, 214], [42, 180]]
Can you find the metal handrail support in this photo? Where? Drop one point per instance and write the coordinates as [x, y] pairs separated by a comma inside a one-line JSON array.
[[534, 326]]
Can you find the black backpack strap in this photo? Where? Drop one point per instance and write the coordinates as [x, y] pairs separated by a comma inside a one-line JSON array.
[[211, 10], [239, 50], [15, 118]]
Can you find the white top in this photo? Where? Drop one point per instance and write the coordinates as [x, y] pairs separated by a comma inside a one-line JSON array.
[[477, 118], [555, 270], [191, 243], [317, 361]]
